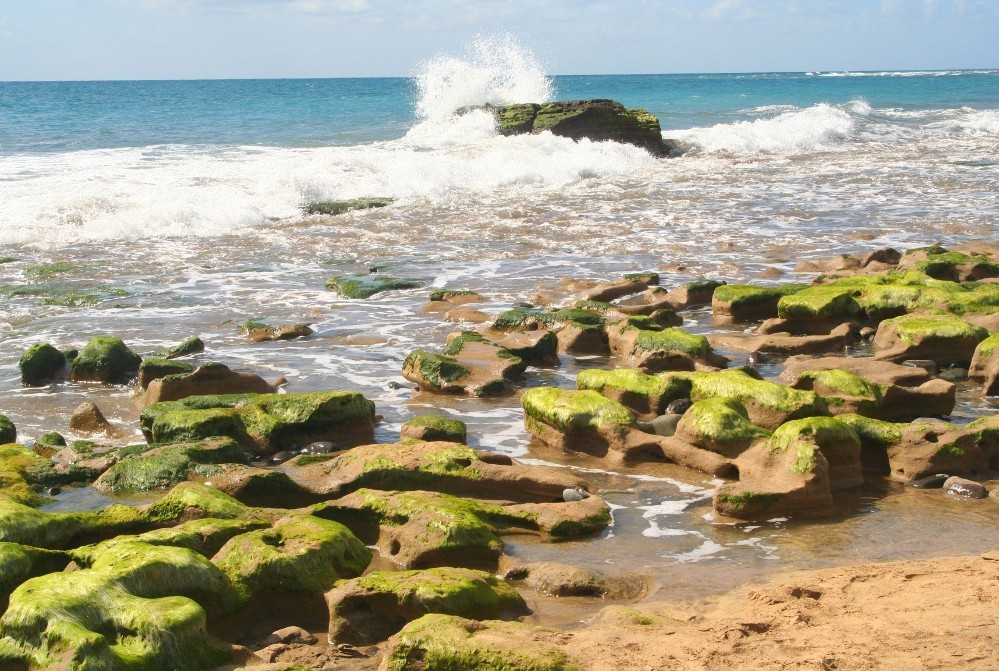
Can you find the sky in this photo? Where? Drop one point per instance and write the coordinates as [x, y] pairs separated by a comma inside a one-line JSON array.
[[212, 39]]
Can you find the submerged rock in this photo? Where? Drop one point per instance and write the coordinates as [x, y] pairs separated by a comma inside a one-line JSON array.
[[143, 467], [471, 365], [639, 342], [366, 286], [334, 207], [433, 428], [8, 432]]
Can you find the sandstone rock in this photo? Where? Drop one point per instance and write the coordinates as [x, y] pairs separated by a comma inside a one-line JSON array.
[[881, 372], [641, 343], [985, 365], [368, 610], [434, 428], [154, 369], [786, 342], [964, 487], [88, 419], [943, 339], [40, 364], [470, 366], [742, 302], [208, 379]]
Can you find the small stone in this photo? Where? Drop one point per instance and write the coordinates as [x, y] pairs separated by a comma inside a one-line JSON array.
[[663, 425], [867, 332], [929, 364], [756, 358], [88, 419], [572, 495], [281, 457], [678, 407], [955, 374], [930, 481], [290, 635], [964, 487]]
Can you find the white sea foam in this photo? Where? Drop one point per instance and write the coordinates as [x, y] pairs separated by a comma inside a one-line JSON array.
[[495, 70], [814, 128], [904, 73], [967, 120]]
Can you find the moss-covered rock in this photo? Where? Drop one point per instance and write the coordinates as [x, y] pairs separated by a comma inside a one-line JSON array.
[[300, 553], [55, 531], [434, 466], [644, 394], [446, 642], [40, 364], [162, 466], [335, 207], [719, 424], [942, 264], [943, 339], [105, 359], [985, 365], [154, 369], [743, 302], [264, 423], [819, 302], [368, 610], [578, 330], [192, 345], [206, 536], [192, 500], [433, 427], [8, 432], [836, 440], [423, 529], [20, 562], [769, 404], [643, 344], [135, 607], [471, 365], [366, 286], [576, 420]]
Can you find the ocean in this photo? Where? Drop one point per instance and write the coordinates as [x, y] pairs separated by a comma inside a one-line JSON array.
[[158, 210]]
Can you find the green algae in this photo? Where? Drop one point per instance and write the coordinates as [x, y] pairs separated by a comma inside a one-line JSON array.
[[433, 427], [366, 286], [162, 466], [105, 359], [739, 384], [914, 329], [41, 363], [564, 409], [722, 421], [820, 431], [824, 301], [335, 207], [438, 370]]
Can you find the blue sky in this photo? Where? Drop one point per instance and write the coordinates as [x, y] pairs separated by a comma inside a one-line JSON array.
[[185, 39]]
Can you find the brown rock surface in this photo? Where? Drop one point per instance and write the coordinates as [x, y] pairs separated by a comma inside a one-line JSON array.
[[207, 379]]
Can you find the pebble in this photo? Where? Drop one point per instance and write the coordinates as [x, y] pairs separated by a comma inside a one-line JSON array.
[[756, 358], [964, 487], [280, 457], [664, 425], [572, 495], [290, 635], [867, 332], [930, 481]]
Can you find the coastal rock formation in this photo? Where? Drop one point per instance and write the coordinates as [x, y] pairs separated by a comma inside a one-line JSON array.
[[639, 342], [142, 468], [370, 609], [434, 428], [471, 365], [208, 379], [263, 423], [881, 372], [985, 365], [107, 360], [591, 119], [943, 339], [40, 364], [366, 286]]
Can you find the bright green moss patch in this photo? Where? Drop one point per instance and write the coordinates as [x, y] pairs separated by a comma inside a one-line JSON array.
[[820, 432], [722, 420], [915, 329], [749, 501], [335, 207], [738, 384], [165, 466], [433, 427], [988, 347], [189, 497], [563, 409], [738, 296], [664, 388], [41, 363], [673, 340], [105, 359], [827, 301], [437, 369], [365, 286], [845, 383]]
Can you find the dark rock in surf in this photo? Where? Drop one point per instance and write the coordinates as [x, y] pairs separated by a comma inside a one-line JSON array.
[[592, 119]]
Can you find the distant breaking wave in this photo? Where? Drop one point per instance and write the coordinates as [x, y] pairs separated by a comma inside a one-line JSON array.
[[904, 73], [814, 128]]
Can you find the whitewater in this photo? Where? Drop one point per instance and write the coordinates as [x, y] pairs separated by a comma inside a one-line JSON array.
[[160, 210]]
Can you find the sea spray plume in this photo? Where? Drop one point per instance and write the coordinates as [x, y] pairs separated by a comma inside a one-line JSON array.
[[496, 70]]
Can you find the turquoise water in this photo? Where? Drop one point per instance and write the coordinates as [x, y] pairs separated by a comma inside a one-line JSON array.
[[64, 116]]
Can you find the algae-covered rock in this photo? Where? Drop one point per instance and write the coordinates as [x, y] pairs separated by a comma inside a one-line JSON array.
[[208, 379], [578, 330], [470, 366], [943, 339], [335, 207], [192, 345], [581, 421], [837, 442], [437, 466], [206, 536], [719, 424], [592, 119], [42, 363], [299, 553], [645, 395], [20, 562], [263, 423], [433, 428], [135, 607], [8, 432], [419, 529], [366, 286], [22, 471], [447, 642], [105, 359], [819, 302], [643, 344], [143, 468], [192, 500], [846, 393], [942, 264], [54, 531], [154, 369], [985, 365], [743, 302], [368, 610], [769, 404]]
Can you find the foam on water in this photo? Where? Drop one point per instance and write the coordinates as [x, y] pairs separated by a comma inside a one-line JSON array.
[[814, 128]]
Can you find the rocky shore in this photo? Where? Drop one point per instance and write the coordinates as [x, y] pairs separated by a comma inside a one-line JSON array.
[[277, 534]]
